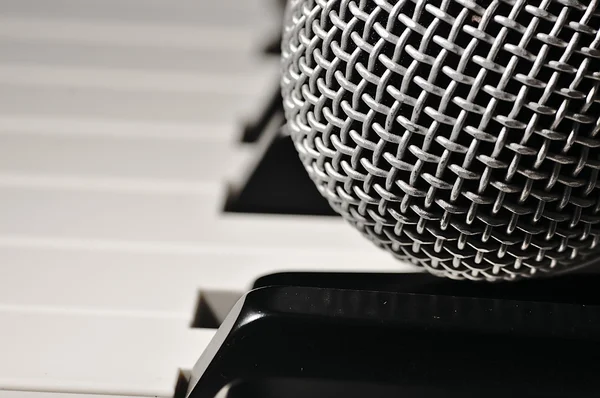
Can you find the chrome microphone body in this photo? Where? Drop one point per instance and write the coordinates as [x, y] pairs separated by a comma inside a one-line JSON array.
[[459, 135]]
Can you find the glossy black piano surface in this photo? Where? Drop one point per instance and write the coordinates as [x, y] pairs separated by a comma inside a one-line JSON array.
[[412, 335]]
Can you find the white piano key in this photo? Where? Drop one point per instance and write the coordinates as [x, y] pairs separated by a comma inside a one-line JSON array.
[[171, 219], [41, 394], [59, 351], [170, 160], [132, 105], [173, 59], [108, 184], [123, 33], [126, 282], [246, 84], [225, 131], [222, 12]]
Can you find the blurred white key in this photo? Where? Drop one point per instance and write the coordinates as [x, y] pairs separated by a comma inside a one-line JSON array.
[[127, 105], [119, 281], [160, 218], [225, 131], [248, 83], [205, 12], [62, 351], [166, 160], [127, 34], [39, 394], [167, 59]]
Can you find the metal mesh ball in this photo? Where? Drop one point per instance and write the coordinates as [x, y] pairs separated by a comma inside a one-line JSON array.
[[459, 135]]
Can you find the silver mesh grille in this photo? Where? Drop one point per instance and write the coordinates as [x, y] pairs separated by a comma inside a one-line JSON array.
[[460, 135]]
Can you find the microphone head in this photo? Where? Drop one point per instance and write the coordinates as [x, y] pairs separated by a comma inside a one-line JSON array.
[[459, 135]]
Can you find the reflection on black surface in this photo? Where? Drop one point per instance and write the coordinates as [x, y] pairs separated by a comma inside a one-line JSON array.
[[566, 289]]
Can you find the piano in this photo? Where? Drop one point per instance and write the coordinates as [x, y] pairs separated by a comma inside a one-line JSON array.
[[129, 132], [147, 184]]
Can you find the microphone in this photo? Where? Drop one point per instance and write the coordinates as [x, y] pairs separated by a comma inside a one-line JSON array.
[[459, 135]]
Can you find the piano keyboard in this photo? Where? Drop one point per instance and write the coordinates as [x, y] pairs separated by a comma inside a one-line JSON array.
[[120, 125]]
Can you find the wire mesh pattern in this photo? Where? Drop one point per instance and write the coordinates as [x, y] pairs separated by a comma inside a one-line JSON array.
[[459, 135]]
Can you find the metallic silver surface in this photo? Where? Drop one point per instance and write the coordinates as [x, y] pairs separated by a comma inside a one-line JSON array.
[[460, 135]]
